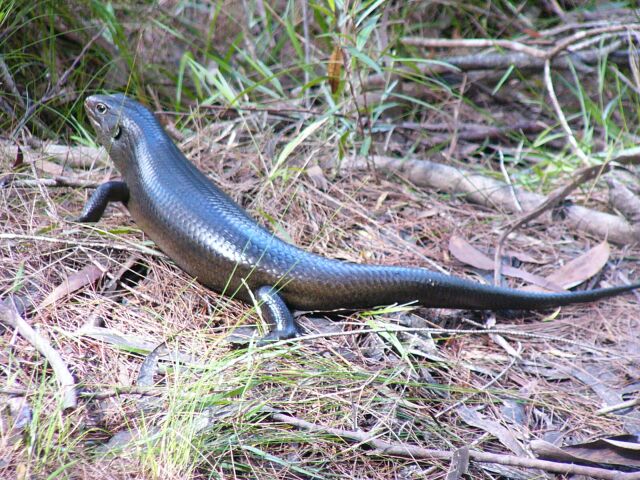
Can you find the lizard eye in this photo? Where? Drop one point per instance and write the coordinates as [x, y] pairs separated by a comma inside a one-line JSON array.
[[101, 108]]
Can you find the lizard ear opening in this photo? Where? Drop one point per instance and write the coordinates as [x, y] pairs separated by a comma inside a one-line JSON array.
[[117, 133]]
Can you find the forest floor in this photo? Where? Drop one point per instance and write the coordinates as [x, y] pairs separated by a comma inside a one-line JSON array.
[[163, 384]]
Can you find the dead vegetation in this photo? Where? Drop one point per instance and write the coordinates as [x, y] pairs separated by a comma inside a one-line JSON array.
[[162, 391]]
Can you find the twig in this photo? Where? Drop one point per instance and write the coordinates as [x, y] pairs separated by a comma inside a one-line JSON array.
[[493, 61], [5, 74], [476, 131], [75, 156], [129, 247], [619, 406], [307, 52], [473, 43], [581, 176], [547, 54], [576, 37], [507, 178], [563, 121], [10, 317], [456, 114], [98, 394], [413, 451], [554, 6], [57, 181], [55, 90]]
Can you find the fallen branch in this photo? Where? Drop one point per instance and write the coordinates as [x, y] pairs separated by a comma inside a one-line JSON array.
[[78, 156], [413, 451], [544, 54], [493, 61], [128, 247], [10, 317], [473, 43], [57, 181], [496, 194], [473, 132], [624, 200]]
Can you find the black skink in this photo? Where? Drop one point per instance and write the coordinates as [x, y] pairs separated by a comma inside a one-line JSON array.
[[212, 238]]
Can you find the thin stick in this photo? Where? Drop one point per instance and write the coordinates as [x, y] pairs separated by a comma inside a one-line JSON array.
[[619, 406], [563, 121], [98, 394], [413, 451], [10, 317], [5, 74], [130, 247], [474, 43], [518, 46], [57, 181], [576, 37]]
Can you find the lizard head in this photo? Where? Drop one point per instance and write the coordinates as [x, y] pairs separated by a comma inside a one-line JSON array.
[[120, 123]]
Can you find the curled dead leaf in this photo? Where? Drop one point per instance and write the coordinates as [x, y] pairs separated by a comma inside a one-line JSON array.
[[466, 253], [617, 450], [334, 68], [87, 276], [580, 268]]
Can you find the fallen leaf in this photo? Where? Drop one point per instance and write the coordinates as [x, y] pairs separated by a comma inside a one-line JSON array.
[[19, 160], [134, 344], [580, 268], [506, 438], [459, 465], [466, 253], [150, 366], [316, 175], [146, 376], [87, 276], [618, 450]]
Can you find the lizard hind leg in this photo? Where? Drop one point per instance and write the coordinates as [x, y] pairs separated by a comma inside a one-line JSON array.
[[277, 314]]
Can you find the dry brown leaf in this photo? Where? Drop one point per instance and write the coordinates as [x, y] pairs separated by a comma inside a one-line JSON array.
[[618, 450], [505, 436], [580, 268], [316, 175], [87, 276], [459, 466], [466, 253], [334, 68]]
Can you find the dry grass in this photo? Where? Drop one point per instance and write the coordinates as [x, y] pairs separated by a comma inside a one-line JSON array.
[[208, 415], [353, 381]]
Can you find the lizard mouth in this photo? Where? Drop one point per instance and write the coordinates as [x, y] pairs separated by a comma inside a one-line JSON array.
[[89, 106]]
